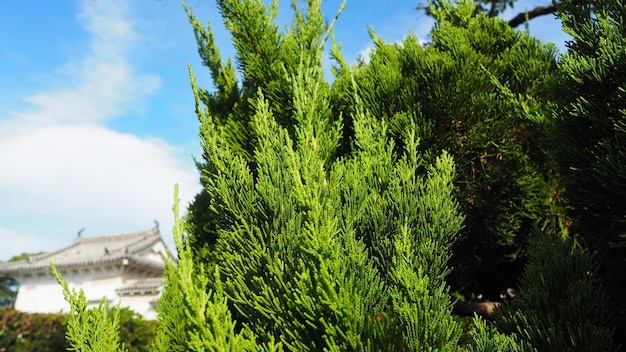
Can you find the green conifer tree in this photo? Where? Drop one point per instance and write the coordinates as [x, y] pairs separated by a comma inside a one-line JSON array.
[[172, 331], [320, 246], [486, 338], [457, 91], [590, 136]]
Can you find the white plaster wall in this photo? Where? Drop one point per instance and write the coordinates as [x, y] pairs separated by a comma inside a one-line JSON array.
[[42, 294], [142, 305]]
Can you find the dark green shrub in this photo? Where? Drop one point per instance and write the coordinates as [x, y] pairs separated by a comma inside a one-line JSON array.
[[590, 137], [32, 332], [561, 305], [314, 239], [46, 332]]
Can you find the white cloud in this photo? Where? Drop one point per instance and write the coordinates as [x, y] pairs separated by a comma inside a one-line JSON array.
[[395, 29], [366, 53], [63, 169], [87, 175], [16, 243], [105, 89], [102, 83], [59, 170]]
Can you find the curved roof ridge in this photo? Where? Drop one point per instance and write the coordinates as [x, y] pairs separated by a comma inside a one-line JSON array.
[[152, 231], [142, 244], [39, 257]]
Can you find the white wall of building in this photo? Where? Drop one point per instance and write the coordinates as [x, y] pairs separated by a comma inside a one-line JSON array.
[[42, 294], [144, 305]]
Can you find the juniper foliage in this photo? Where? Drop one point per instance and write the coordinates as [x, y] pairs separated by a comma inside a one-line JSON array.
[[89, 329], [190, 317], [486, 338], [590, 137], [320, 247], [479, 90], [590, 119], [561, 305]]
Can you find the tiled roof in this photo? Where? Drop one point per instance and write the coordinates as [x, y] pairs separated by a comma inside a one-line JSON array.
[[86, 251], [146, 286]]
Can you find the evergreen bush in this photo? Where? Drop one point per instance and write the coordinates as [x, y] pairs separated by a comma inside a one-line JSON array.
[[486, 338], [590, 137], [312, 247], [314, 239], [21, 331], [462, 91], [190, 317]]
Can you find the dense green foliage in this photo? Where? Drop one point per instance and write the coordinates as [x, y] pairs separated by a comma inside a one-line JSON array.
[[89, 329], [590, 137], [190, 318], [461, 92], [486, 338], [591, 118], [312, 246], [318, 224], [329, 216], [561, 306]]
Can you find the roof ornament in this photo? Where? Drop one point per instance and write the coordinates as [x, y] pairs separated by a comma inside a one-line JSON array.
[[80, 232], [156, 223]]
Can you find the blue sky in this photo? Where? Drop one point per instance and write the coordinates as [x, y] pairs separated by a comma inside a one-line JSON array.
[[96, 113]]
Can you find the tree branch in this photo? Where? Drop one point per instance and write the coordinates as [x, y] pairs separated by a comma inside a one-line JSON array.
[[536, 12]]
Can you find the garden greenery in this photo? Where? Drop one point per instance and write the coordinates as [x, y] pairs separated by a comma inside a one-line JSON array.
[[332, 214]]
